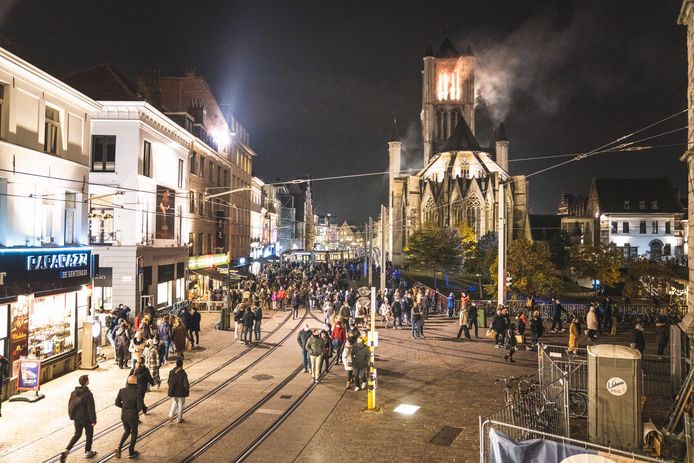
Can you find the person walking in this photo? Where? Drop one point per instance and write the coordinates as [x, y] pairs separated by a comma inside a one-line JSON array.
[[574, 334], [295, 306], [137, 347], [164, 334], [179, 389], [638, 341], [557, 309], [144, 379], [510, 343], [661, 336], [179, 336], [194, 328], [463, 321], [537, 329], [129, 401], [592, 323], [82, 412], [248, 319], [347, 363], [327, 351], [257, 321], [151, 359], [122, 340], [472, 318], [360, 362], [451, 305], [337, 340], [314, 347], [302, 338]]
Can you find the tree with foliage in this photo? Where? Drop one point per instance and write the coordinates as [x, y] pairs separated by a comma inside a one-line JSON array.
[[485, 255], [597, 262], [530, 268], [649, 277], [468, 246], [560, 250], [434, 248]]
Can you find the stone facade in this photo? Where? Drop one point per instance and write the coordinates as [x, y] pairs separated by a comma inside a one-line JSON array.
[[459, 180]]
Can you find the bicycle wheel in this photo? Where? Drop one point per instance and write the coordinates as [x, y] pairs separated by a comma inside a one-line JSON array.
[[578, 405]]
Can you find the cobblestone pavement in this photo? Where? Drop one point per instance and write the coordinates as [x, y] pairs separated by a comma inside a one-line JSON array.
[[451, 381], [38, 431]]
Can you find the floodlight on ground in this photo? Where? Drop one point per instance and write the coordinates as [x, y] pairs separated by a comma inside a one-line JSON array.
[[406, 409]]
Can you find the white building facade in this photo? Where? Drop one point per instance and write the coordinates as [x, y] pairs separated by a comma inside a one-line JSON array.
[[139, 216], [45, 264]]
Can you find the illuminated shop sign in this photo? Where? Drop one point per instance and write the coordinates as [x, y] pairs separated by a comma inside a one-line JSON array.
[[31, 270], [208, 261], [57, 261]]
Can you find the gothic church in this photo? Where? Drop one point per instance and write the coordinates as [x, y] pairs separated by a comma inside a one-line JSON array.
[[459, 180]]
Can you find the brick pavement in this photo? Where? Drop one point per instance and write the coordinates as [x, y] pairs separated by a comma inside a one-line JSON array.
[[35, 432]]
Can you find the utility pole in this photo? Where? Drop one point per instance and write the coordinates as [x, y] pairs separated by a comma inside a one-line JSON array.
[[479, 280], [501, 234], [369, 254], [371, 398], [383, 251]]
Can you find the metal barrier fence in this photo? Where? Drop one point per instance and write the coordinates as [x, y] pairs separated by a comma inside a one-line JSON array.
[[208, 306], [657, 376], [522, 433], [539, 408]]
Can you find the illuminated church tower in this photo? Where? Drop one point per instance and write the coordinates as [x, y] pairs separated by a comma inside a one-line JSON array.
[[448, 94]]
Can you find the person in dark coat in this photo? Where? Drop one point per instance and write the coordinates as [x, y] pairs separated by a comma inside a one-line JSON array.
[[360, 363], [4, 367], [82, 412], [248, 319], [144, 379], [638, 341], [194, 329], [472, 318], [661, 336], [122, 340], [179, 389], [257, 321], [301, 338], [130, 402]]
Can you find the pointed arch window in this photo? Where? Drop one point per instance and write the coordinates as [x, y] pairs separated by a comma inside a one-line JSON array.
[[430, 216], [473, 215]]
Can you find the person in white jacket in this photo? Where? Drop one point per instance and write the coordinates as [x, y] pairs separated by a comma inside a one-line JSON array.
[[347, 362]]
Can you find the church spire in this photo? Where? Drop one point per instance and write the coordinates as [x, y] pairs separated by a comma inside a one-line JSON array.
[[395, 134]]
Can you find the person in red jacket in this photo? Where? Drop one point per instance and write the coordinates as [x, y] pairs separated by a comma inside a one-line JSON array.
[[337, 339]]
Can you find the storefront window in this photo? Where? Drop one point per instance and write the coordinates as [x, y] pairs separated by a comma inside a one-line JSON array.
[[164, 291], [180, 289], [52, 325], [4, 329]]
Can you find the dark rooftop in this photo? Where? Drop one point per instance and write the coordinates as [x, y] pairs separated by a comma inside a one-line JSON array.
[[461, 139], [104, 82], [447, 50], [635, 195]]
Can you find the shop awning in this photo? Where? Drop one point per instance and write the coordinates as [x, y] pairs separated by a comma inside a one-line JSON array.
[[215, 274]]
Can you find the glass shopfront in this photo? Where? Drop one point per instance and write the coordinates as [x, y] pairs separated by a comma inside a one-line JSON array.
[[52, 325]]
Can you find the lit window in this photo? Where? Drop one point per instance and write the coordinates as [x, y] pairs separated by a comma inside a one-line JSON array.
[[614, 227], [51, 130], [147, 159], [103, 153]]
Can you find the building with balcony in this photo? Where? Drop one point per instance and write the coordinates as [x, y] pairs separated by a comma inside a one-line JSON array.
[[45, 261]]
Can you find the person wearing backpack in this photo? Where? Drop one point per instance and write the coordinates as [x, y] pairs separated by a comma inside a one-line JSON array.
[[179, 389], [82, 411]]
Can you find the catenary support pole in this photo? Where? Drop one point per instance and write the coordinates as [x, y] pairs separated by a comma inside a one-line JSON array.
[[384, 216], [371, 404], [501, 235]]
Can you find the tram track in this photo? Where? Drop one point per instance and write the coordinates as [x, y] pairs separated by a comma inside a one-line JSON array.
[[214, 390], [163, 400], [269, 430]]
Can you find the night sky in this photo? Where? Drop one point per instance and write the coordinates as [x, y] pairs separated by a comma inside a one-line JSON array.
[[318, 83]]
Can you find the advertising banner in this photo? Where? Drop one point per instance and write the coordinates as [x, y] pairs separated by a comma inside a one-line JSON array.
[[503, 449], [19, 332], [29, 375], [165, 216]]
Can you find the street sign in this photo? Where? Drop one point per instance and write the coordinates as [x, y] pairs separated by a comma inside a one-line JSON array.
[[373, 341], [363, 302], [364, 291]]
